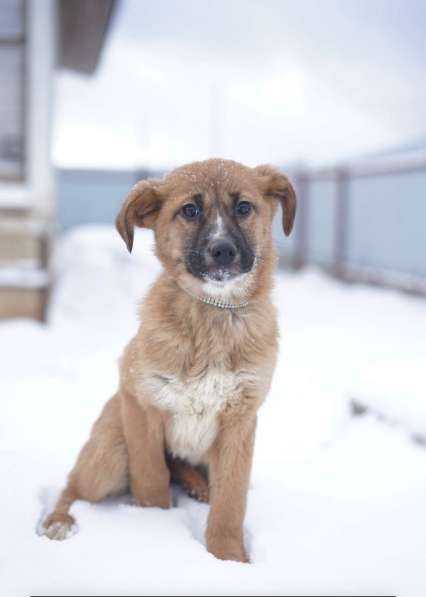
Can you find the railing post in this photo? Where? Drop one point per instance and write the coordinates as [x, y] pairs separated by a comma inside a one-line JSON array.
[[341, 223], [302, 181]]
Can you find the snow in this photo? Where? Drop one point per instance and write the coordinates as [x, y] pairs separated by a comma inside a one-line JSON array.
[[23, 274], [337, 502]]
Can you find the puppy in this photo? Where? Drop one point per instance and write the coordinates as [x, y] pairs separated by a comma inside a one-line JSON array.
[[201, 363]]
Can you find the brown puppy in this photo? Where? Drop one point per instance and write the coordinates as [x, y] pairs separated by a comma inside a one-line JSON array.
[[201, 363]]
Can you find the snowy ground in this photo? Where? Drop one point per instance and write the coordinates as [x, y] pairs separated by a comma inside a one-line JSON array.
[[337, 504]]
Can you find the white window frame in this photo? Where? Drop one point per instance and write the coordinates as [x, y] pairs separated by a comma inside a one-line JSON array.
[[35, 192]]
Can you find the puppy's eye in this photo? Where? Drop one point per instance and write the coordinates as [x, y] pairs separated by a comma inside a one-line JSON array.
[[243, 208], [190, 211]]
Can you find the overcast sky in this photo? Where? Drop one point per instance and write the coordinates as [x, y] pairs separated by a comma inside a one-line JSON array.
[[253, 80]]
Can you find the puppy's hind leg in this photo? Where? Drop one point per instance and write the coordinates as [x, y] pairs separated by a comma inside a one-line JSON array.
[[101, 470]]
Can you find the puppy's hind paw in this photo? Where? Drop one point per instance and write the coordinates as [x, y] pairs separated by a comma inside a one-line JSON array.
[[58, 527], [198, 490]]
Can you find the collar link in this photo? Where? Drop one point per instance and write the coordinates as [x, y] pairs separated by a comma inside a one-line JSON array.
[[214, 302]]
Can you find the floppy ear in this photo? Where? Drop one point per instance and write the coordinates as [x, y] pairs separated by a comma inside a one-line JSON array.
[[273, 183], [140, 209]]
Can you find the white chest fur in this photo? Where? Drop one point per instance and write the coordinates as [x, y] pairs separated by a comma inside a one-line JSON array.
[[194, 406]]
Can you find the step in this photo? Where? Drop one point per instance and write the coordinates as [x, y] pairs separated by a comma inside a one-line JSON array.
[[25, 239], [24, 291]]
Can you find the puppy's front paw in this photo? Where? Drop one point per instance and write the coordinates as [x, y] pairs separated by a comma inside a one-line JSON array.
[[58, 527], [228, 548]]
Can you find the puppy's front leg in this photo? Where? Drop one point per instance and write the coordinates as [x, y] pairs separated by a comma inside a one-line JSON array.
[[229, 473], [149, 475]]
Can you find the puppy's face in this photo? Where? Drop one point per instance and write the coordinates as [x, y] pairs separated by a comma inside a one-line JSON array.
[[218, 241], [212, 221]]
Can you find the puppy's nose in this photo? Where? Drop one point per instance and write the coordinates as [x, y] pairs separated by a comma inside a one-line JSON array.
[[223, 252]]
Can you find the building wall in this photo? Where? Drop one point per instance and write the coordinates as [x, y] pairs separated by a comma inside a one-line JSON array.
[[27, 60], [13, 39], [27, 56]]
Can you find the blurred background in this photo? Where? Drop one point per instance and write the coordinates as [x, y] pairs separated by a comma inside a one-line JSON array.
[[96, 94]]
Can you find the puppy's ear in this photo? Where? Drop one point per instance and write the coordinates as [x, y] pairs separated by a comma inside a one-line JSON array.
[[273, 183], [140, 208]]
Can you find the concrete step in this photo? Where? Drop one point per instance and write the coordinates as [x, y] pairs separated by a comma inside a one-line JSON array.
[[24, 290], [22, 239], [24, 257]]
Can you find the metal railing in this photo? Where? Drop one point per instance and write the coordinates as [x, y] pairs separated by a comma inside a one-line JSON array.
[[339, 263]]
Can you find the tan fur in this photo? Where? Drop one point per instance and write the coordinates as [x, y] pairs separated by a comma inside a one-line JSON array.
[[194, 376]]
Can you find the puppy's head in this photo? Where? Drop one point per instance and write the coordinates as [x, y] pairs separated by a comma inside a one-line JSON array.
[[212, 221]]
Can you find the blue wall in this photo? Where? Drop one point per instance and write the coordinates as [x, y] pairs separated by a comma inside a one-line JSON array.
[[91, 196]]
